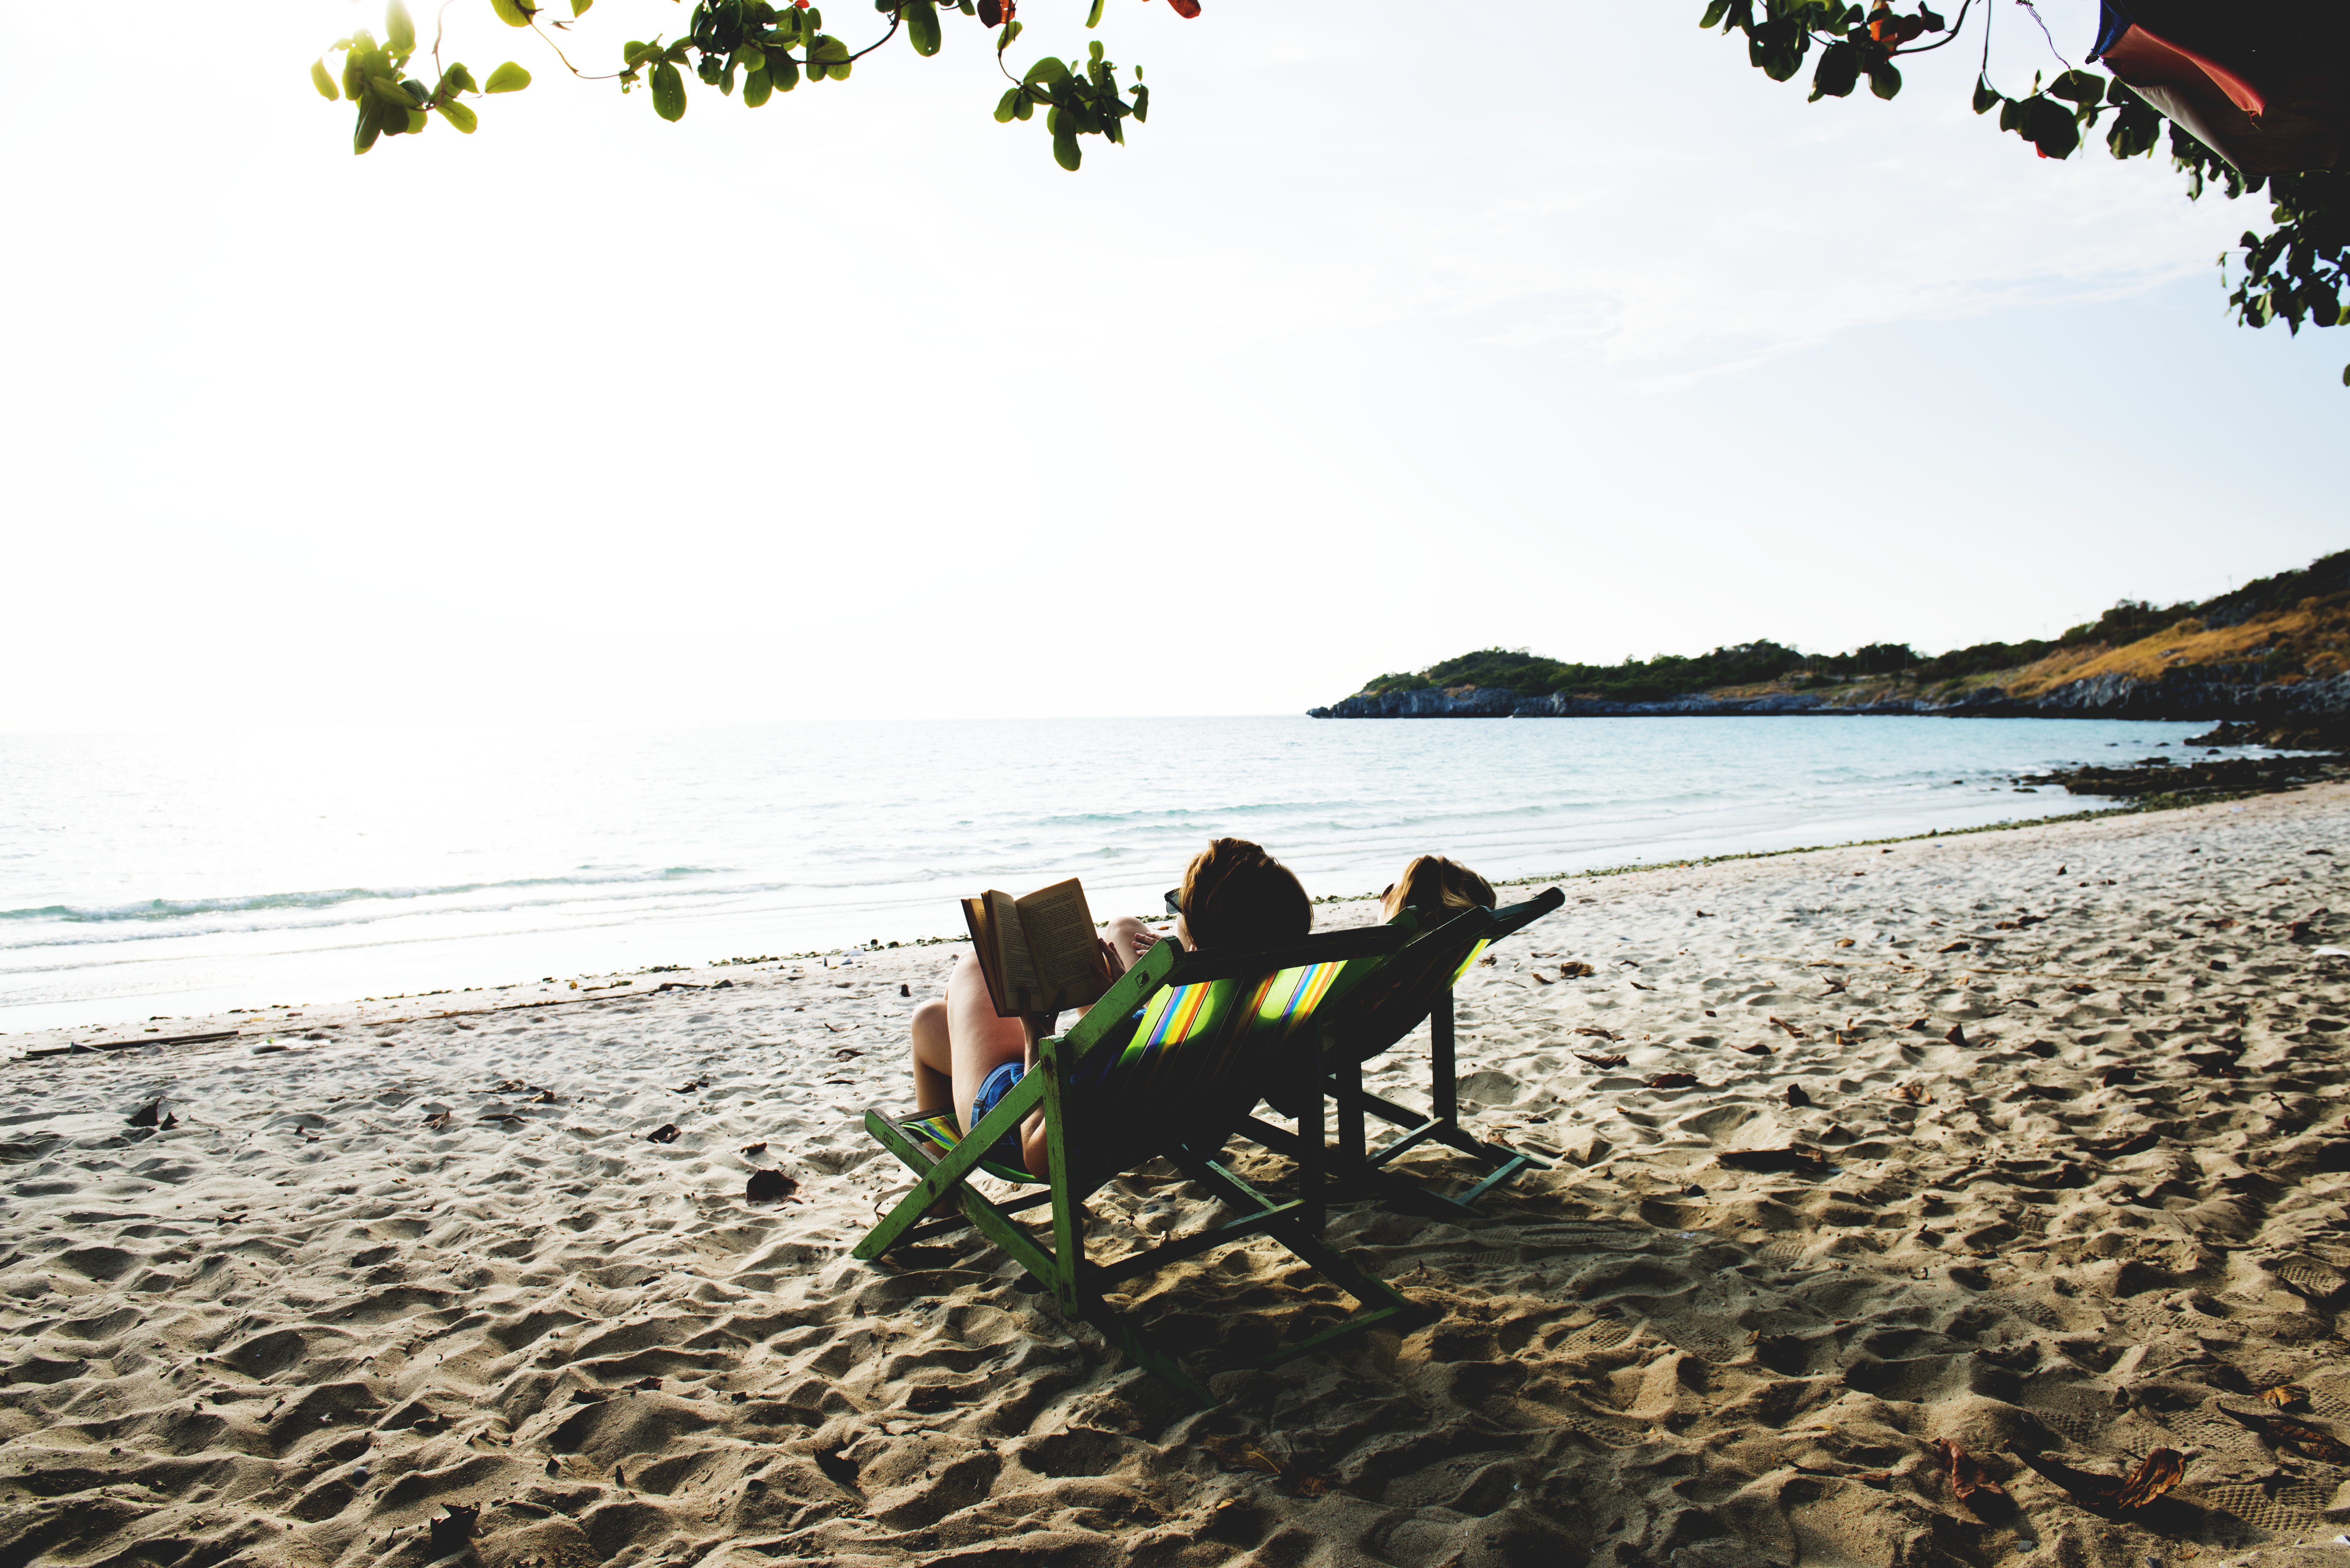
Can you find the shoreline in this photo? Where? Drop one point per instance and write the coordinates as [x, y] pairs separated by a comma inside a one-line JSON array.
[[550, 991]]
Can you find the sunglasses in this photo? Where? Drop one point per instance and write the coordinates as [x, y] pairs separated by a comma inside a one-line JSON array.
[[1175, 902]]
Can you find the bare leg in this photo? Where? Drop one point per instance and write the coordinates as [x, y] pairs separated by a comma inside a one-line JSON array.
[[978, 1041], [1128, 939], [933, 1058]]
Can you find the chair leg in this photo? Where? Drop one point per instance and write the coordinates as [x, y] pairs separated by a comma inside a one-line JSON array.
[[1444, 1091]]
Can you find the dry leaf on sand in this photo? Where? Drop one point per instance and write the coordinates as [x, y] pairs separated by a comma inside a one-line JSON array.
[[1241, 1454], [1574, 971], [1914, 1094], [1753, 1050], [1595, 1032], [1610, 1061], [666, 1132], [2286, 1395], [769, 1186], [2156, 1474], [1790, 1028], [1670, 1081], [2298, 1438], [1965, 1471]]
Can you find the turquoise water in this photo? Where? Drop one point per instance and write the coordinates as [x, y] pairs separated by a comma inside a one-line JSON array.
[[174, 874]]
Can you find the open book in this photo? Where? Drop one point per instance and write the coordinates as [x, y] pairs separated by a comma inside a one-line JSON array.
[[1040, 953]]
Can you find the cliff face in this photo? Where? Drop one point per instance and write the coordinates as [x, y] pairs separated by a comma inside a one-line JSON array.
[[2199, 694]]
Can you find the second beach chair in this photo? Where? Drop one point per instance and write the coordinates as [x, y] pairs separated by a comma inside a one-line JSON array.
[[1414, 986]]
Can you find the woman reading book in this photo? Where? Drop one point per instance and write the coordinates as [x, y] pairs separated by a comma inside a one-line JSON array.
[[1234, 895]]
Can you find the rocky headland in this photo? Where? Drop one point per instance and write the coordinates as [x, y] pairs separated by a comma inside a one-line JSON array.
[[2267, 661]]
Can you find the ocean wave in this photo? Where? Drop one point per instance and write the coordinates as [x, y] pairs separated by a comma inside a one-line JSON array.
[[329, 898]]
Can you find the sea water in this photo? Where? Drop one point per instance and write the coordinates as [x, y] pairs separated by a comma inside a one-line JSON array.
[[186, 874]]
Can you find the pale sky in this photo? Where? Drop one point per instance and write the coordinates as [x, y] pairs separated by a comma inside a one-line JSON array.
[[1556, 326]]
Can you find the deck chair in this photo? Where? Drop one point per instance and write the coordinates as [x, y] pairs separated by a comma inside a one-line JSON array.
[[1415, 985], [1168, 1063]]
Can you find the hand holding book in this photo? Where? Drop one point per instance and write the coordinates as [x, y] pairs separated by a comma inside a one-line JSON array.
[[1040, 953]]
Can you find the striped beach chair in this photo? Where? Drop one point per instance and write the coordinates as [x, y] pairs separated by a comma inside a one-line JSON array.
[[1411, 988], [1167, 1063]]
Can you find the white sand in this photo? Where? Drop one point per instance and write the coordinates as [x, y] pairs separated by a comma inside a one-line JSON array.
[[390, 1261]]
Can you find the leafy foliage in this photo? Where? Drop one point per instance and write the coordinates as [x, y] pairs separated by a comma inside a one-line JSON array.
[[761, 47], [390, 102], [2297, 272]]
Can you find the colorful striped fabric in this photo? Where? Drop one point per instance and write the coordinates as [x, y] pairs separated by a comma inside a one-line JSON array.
[[942, 1129]]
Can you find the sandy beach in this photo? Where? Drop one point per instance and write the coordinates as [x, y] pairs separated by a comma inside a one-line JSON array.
[[434, 1278]]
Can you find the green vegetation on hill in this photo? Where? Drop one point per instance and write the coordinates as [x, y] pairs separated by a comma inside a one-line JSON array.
[[1771, 663]]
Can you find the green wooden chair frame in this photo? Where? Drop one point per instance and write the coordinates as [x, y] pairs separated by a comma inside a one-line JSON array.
[[1076, 1085], [1415, 984]]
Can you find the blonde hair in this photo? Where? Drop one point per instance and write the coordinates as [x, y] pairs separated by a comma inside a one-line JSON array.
[[1432, 882], [1235, 895]]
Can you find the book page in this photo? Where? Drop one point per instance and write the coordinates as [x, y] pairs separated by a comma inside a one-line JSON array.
[[1023, 991], [1063, 945]]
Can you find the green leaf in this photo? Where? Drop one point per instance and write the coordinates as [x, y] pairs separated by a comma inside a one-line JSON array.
[[1142, 102], [756, 87], [1011, 31], [454, 80], [828, 59], [457, 115], [399, 29], [784, 71], [1092, 17], [1837, 73], [2078, 87], [1714, 13], [368, 127], [1986, 96], [417, 121], [1008, 106], [2345, 375], [1047, 70], [507, 78], [579, 8], [923, 26], [512, 12], [1068, 153], [669, 92], [2051, 127], [322, 81], [1883, 79]]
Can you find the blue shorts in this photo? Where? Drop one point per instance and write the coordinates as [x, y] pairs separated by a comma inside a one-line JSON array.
[[991, 1090]]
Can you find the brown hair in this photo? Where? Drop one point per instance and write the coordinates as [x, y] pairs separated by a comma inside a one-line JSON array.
[[1235, 895], [1432, 882]]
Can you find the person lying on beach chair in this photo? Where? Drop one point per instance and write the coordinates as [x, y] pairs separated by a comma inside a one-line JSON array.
[[1165, 1064], [1451, 914]]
